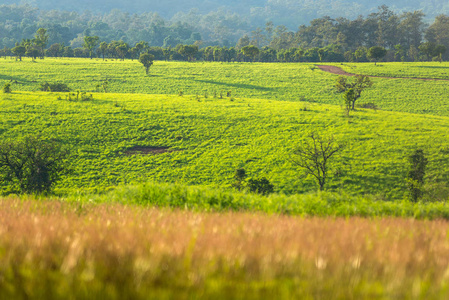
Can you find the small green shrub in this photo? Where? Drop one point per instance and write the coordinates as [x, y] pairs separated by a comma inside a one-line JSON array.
[[54, 87], [239, 177], [368, 105], [79, 96], [7, 88], [261, 186]]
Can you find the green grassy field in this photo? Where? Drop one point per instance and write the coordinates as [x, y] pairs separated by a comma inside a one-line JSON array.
[[276, 81], [208, 140], [433, 70], [148, 211]]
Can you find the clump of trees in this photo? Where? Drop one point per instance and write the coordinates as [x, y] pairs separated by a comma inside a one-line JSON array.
[[54, 87], [260, 186], [31, 165], [250, 51], [255, 185]]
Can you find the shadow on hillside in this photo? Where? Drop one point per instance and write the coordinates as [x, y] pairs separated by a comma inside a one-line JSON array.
[[236, 85], [378, 182], [15, 79]]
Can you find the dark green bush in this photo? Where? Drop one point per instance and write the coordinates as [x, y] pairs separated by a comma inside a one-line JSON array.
[[32, 165], [7, 88], [54, 87], [261, 186]]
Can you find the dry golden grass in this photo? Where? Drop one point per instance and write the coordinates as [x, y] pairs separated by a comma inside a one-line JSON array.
[[54, 250]]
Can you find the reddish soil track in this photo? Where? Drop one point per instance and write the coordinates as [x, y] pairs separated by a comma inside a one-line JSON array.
[[339, 71]]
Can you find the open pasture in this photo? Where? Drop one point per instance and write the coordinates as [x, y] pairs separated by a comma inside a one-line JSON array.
[[274, 81], [55, 250], [430, 70], [119, 139], [141, 147]]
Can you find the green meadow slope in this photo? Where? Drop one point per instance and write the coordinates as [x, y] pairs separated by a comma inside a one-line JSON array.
[[273, 81], [142, 149], [207, 139], [434, 70]]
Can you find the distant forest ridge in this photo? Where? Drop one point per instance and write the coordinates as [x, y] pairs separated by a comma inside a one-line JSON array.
[[407, 35], [291, 13]]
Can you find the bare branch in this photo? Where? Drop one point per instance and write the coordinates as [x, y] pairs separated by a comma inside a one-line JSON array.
[[313, 156]]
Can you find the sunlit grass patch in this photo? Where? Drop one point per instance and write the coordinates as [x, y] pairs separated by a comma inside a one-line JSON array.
[[211, 138]]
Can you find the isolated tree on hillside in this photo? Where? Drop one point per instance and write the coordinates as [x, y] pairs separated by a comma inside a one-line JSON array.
[[7, 88], [376, 53], [416, 173], [358, 84], [147, 61], [349, 96], [90, 42], [314, 155]]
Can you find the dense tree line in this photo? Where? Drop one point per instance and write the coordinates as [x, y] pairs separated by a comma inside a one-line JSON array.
[[257, 12], [405, 37]]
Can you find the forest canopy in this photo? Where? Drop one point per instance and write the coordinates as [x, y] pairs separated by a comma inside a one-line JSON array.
[[408, 35]]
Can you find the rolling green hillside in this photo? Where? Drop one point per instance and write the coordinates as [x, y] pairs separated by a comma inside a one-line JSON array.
[[147, 208], [274, 81], [433, 70], [202, 141]]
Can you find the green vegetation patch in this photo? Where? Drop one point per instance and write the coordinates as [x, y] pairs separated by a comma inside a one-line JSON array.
[[274, 81], [207, 139], [429, 70]]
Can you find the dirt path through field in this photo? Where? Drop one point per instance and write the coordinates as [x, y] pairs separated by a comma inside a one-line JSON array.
[[340, 71]]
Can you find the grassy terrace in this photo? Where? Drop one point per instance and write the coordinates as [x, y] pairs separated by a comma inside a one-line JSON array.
[[433, 70], [276, 81]]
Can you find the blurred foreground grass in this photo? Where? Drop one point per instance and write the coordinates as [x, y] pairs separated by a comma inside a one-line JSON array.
[[60, 250]]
